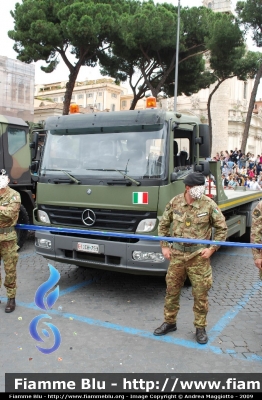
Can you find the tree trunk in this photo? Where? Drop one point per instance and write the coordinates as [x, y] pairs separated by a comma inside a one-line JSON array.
[[209, 110], [70, 87], [250, 110]]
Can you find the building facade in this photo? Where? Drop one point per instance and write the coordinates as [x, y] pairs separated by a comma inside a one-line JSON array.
[[229, 106], [17, 88]]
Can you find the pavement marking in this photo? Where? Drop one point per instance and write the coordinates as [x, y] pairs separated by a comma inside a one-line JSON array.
[[230, 315], [213, 333], [217, 329], [234, 254], [25, 255]]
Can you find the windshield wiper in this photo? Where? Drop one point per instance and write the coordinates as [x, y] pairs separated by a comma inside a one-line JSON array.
[[122, 172], [72, 178]]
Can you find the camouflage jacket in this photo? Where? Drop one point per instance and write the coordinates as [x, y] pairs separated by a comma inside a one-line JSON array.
[[8, 217], [256, 230], [194, 221]]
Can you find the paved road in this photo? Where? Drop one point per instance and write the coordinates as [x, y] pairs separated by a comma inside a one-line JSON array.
[[106, 320]]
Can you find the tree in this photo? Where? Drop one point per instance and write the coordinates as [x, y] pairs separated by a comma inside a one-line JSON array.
[[144, 52], [250, 15], [51, 30]]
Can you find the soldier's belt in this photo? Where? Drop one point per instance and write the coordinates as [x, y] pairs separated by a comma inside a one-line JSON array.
[[7, 230], [189, 249]]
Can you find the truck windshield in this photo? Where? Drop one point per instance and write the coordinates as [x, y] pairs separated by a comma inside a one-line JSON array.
[[137, 154]]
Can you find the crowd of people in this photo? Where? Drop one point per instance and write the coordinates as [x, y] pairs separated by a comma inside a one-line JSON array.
[[239, 169]]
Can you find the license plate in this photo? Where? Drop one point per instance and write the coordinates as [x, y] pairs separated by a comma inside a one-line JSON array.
[[88, 247]]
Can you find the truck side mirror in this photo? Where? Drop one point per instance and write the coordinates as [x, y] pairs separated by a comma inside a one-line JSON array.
[[203, 167], [34, 170], [173, 177], [203, 140], [34, 145]]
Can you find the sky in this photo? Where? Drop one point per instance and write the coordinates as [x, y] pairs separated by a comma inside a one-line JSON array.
[[61, 72]]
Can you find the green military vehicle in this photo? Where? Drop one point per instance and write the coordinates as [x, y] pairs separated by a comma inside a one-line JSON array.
[[115, 173], [16, 158]]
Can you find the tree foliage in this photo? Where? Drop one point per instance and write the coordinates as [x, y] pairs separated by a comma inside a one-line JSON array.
[[250, 15], [144, 53], [51, 30]]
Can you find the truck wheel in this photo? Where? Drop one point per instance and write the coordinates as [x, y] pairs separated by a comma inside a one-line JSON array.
[[22, 233]]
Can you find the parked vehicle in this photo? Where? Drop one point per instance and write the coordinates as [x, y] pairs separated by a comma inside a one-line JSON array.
[[16, 158], [114, 173]]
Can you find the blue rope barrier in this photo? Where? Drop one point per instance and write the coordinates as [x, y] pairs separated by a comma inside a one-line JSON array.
[[133, 236]]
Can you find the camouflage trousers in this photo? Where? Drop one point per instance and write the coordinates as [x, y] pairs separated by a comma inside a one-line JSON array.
[[199, 271], [8, 252]]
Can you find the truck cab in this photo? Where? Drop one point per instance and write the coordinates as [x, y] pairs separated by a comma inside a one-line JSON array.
[[15, 159], [113, 173]]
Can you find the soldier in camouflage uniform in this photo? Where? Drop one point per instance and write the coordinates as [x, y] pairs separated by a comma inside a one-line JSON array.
[[193, 215], [256, 236], [9, 211]]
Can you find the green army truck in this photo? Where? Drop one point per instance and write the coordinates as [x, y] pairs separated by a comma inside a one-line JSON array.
[[115, 173], [15, 159]]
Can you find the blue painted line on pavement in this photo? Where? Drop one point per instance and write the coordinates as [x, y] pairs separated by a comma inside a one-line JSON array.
[[230, 315], [141, 333], [25, 255], [75, 287], [224, 253]]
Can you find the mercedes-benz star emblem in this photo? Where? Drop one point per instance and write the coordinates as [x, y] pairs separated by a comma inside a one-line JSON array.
[[88, 217]]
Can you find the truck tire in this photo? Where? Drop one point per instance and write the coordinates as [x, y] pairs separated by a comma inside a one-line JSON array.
[[22, 233]]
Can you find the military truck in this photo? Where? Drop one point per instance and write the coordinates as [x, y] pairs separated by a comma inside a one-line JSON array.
[[114, 173], [16, 158]]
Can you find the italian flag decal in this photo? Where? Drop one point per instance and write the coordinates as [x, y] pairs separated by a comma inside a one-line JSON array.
[[140, 197]]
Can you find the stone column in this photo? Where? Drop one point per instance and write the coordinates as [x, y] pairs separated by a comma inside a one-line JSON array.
[[219, 116]]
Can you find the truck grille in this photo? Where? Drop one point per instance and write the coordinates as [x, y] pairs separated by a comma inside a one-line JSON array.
[[115, 220]]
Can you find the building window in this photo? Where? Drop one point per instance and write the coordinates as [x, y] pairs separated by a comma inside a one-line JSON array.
[[80, 96], [124, 103], [113, 95], [62, 99], [55, 99], [98, 106], [99, 93], [245, 90], [89, 94], [73, 97], [113, 107]]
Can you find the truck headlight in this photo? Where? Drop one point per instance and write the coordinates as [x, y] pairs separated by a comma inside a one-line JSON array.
[[43, 243], [147, 256], [43, 216], [146, 225]]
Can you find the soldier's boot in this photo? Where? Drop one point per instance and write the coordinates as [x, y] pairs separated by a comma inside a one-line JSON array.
[[201, 336], [10, 306], [165, 328]]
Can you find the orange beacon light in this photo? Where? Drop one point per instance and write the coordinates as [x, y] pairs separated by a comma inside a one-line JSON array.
[[151, 102], [74, 108]]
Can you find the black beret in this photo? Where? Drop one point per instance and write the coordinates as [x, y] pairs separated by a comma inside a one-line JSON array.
[[194, 179]]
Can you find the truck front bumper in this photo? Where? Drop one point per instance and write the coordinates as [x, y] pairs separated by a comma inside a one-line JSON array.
[[113, 254]]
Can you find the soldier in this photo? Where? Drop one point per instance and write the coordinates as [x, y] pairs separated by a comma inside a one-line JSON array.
[[9, 211], [256, 235], [193, 215]]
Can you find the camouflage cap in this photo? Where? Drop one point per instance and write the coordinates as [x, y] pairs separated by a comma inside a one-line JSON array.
[[194, 179]]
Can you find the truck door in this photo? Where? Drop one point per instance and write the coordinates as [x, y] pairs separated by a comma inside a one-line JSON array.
[[16, 154]]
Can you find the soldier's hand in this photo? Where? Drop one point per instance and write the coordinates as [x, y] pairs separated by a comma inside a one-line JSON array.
[[258, 263], [207, 253], [166, 251]]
